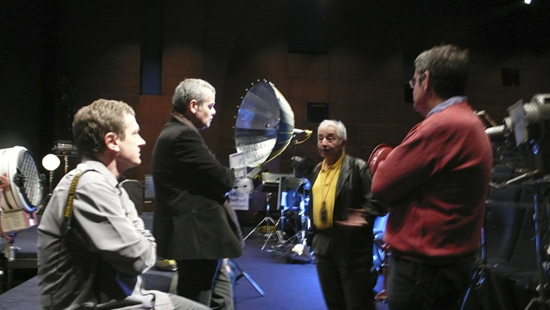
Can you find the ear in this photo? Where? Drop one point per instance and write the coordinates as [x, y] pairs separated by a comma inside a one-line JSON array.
[[427, 81], [111, 141], [344, 142], [193, 106]]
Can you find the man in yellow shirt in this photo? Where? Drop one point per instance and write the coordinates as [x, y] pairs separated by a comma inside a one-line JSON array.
[[342, 214]]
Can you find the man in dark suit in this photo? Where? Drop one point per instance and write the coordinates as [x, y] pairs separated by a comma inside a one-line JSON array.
[[342, 214], [191, 220]]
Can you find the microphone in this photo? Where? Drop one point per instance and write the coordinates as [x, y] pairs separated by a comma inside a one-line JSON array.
[[300, 131]]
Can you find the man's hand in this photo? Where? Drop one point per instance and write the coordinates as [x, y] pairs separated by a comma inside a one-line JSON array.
[[355, 218]]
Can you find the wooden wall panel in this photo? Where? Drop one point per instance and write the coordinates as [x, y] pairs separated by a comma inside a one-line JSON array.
[[369, 53], [152, 114], [361, 77]]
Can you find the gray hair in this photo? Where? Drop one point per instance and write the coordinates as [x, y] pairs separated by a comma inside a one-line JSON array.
[[340, 128], [448, 67], [190, 89]]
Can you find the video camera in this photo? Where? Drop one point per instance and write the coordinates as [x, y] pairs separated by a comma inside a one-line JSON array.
[[527, 130]]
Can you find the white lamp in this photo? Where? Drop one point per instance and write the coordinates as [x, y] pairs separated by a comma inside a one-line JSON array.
[[50, 163]]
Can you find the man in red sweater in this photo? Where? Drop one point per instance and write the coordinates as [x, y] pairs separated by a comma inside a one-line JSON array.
[[435, 184]]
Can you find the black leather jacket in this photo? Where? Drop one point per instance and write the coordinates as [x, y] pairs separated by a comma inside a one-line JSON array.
[[353, 190]]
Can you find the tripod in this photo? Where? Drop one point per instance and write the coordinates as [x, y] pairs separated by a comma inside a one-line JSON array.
[[291, 182], [292, 230], [279, 225], [301, 223], [480, 273], [267, 220], [243, 273], [542, 301]]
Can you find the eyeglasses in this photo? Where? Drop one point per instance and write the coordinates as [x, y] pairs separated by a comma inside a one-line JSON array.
[[414, 79]]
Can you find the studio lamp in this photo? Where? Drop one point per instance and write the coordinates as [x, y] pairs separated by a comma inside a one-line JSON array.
[[22, 195], [25, 189], [264, 124], [51, 162], [264, 128]]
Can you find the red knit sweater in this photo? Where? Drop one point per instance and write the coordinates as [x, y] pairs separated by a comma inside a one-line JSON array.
[[436, 183]]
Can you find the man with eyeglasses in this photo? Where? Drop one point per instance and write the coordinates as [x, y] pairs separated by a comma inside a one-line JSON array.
[[342, 214], [435, 184]]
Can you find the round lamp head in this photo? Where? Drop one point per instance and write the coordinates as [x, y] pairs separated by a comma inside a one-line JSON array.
[[50, 162], [25, 191]]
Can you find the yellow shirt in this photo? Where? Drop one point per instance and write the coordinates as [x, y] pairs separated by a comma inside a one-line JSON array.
[[324, 194]]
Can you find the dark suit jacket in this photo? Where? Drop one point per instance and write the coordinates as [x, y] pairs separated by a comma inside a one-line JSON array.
[[190, 221], [352, 191]]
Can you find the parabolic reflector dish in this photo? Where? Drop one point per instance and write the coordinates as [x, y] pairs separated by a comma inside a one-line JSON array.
[[264, 125], [25, 190]]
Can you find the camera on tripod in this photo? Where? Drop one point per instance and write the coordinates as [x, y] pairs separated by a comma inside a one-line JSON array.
[[527, 128], [523, 142]]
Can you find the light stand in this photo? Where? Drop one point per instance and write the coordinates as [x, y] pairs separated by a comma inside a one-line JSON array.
[[296, 244], [271, 183], [263, 129], [50, 162], [267, 220], [304, 167], [281, 231]]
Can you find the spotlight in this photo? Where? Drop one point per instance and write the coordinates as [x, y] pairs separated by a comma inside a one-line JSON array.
[[24, 193], [265, 124]]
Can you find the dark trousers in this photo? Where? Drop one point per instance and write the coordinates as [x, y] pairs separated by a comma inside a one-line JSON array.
[[346, 284], [413, 285], [196, 279]]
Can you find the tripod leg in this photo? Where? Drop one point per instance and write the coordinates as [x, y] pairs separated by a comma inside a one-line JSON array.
[[243, 273], [470, 288], [269, 232], [256, 228], [256, 286]]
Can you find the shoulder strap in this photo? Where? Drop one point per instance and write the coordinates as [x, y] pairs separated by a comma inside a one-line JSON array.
[[65, 226]]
